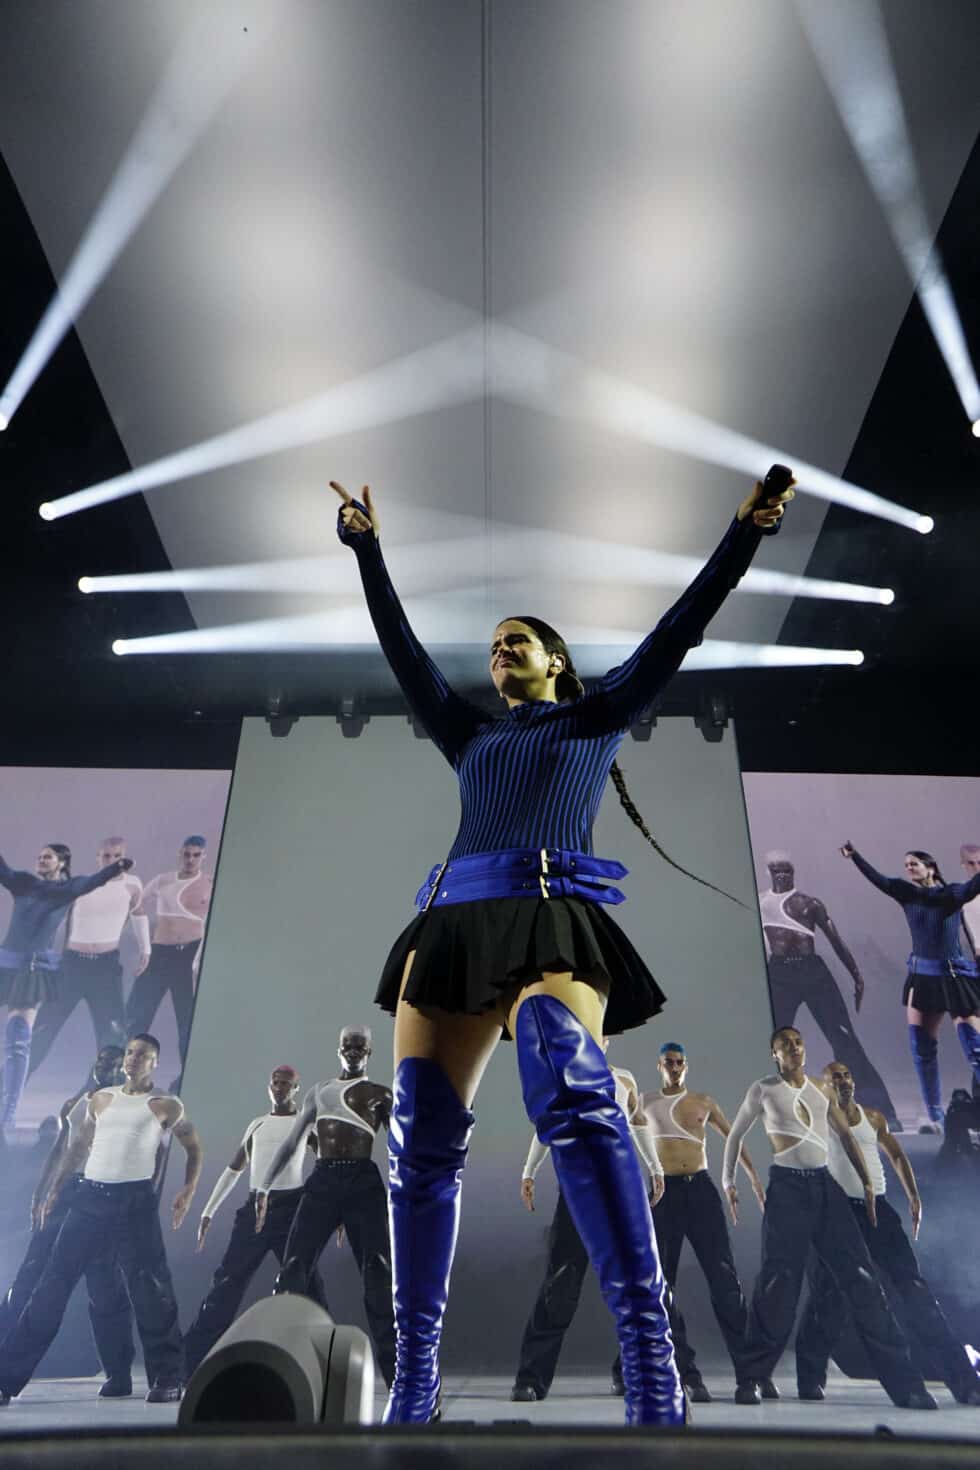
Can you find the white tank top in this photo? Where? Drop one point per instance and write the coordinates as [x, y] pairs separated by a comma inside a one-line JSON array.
[[127, 1136], [99, 917], [660, 1111], [971, 913], [772, 907], [332, 1104], [168, 889], [267, 1134], [844, 1171]]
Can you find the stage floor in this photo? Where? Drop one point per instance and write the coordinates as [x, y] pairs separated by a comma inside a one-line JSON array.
[[58, 1404]]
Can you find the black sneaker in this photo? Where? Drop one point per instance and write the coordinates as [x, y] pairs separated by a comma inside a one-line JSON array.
[[919, 1398], [967, 1393], [165, 1391], [810, 1393], [618, 1389], [524, 1393], [768, 1389], [747, 1393], [116, 1387], [696, 1390], [4, 1398]]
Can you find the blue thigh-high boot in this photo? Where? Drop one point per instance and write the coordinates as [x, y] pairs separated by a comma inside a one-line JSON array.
[[970, 1042], [17, 1056], [427, 1141], [925, 1056], [570, 1097]]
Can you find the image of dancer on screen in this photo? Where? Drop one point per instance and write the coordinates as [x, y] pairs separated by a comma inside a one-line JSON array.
[[807, 1209], [90, 966], [798, 976], [108, 1301], [114, 1213], [512, 934], [970, 863], [246, 1248], [943, 978], [28, 962], [179, 904], [568, 1261], [344, 1192], [691, 1209], [891, 1251]]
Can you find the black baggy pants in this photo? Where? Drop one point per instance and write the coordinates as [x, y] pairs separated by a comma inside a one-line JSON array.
[[806, 1208], [108, 1301], [243, 1256], [95, 979], [169, 972], [892, 1254], [805, 980], [103, 1221], [556, 1303], [690, 1208], [347, 1192]]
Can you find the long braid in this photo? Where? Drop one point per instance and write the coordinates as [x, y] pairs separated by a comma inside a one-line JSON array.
[[568, 685], [619, 781]]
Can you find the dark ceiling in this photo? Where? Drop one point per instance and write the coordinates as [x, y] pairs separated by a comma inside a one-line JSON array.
[[70, 701]]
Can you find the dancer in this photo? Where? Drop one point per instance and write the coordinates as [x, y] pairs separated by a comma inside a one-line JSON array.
[[180, 902], [691, 1209], [512, 934], [568, 1261], [798, 976], [890, 1250], [28, 964], [941, 978], [246, 1250], [108, 1303], [90, 966], [113, 1213], [806, 1207], [345, 1189]]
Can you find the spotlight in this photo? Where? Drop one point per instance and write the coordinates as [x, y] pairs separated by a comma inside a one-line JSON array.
[[46, 511], [4, 422], [279, 723], [712, 717], [924, 525], [85, 584], [887, 596], [119, 646], [975, 428], [350, 717]]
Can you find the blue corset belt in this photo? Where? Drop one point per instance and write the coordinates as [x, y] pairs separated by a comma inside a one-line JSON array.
[[955, 965], [521, 872]]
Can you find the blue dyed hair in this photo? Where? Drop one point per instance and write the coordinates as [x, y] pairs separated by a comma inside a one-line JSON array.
[[672, 1046], [194, 841]]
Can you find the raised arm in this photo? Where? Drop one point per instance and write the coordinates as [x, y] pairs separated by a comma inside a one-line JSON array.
[[627, 690], [449, 719], [745, 1119], [898, 888], [16, 880], [78, 887]]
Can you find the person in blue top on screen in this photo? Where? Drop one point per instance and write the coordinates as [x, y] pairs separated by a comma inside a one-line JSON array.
[[512, 935], [28, 963], [942, 975]]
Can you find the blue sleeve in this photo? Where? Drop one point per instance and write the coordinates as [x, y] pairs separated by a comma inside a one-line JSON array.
[[15, 880], [85, 883], [898, 888], [449, 719], [626, 691], [960, 893]]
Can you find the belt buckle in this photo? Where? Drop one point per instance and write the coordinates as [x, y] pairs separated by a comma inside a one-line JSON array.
[[542, 876], [435, 887]]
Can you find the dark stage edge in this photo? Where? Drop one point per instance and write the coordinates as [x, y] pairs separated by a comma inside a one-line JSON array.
[[60, 1423]]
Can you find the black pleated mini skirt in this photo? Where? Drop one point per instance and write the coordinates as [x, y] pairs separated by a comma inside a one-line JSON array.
[[468, 954], [958, 995], [23, 989]]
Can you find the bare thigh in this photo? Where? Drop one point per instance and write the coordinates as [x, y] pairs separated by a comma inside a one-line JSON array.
[[930, 1021], [462, 1044]]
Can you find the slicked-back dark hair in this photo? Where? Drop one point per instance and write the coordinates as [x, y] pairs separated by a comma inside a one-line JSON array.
[[929, 860], [569, 686], [63, 852]]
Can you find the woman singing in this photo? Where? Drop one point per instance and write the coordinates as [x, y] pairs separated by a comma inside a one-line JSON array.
[[28, 964], [512, 935], [941, 977]]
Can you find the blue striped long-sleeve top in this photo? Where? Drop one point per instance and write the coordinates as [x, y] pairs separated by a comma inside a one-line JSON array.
[[934, 915], [40, 903], [535, 777]]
